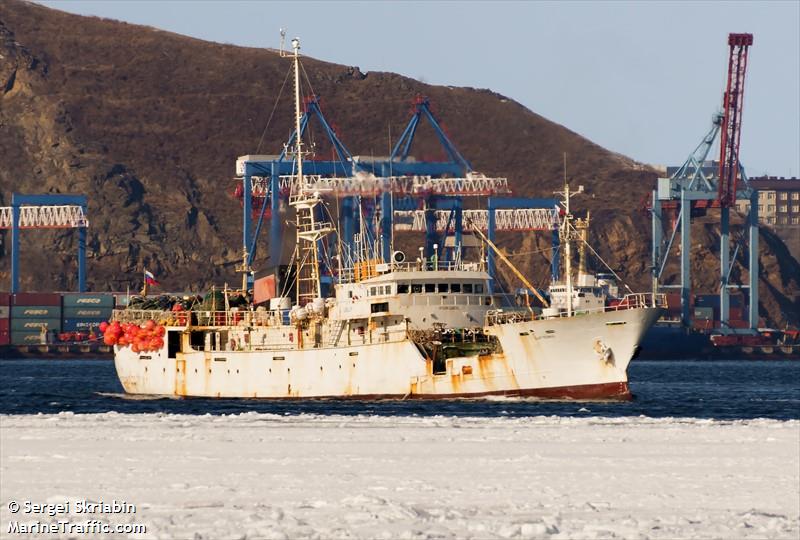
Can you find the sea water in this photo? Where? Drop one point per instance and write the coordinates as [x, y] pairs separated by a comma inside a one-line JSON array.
[[723, 390]]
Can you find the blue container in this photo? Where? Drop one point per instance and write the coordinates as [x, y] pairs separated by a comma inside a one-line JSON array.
[[89, 300], [82, 325], [87, 313]]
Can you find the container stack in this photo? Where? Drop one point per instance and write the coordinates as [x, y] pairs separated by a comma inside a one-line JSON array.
[[5, 318], [35, 318], [83, 313]]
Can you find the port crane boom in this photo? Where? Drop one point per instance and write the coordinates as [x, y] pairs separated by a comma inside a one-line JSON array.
[[732, 118]]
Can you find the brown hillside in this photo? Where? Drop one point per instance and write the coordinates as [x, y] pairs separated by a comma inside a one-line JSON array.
[[149, 124]]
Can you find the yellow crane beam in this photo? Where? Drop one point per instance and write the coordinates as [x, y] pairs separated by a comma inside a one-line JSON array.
[[510, 265]]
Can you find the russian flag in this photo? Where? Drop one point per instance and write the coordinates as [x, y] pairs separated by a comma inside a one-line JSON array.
[[149, 278]]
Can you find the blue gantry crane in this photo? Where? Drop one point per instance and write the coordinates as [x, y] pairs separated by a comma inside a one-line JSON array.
[[47, 211], [392, 186]]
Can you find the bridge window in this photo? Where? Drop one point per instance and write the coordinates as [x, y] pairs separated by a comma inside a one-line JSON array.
[[479, 288], [455, 287], [380, 307], [416, 287], [468, 288], [442, 287], [430, 287], [372, 291], [402, 288]]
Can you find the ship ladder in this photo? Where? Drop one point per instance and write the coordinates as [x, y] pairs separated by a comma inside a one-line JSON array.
[[335, 333]]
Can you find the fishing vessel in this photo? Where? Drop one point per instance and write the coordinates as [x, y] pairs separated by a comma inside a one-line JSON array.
[[398, 329]]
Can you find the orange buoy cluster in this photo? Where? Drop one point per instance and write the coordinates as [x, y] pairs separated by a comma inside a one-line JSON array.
[[142, 338]]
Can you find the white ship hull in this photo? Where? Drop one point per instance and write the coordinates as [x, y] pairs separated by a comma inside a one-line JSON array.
[[577, 357]]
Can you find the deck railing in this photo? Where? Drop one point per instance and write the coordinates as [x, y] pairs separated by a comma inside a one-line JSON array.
[[201, 318], [630, 301]]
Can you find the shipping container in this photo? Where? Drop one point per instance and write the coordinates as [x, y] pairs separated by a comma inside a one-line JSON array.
[[36, 312], [706, 300], [5, 338], [738, 324], [703, 324], [87, 313], [704, 313], [735, 313], [5, 325], [5, 312], [81, 325], [95, 300], [36, 299], [5, 299], [33, 325], [121, 300], [29, 338]]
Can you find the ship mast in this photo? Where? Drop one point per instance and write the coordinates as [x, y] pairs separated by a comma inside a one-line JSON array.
[[568, 249], [582, 225], [566, 233], [308, 229]]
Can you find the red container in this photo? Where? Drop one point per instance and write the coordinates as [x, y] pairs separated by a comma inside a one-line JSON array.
[[702, 324], [36, 299], [738, 324], [5, 339], [5, 299], [735, 313], [4, 324]]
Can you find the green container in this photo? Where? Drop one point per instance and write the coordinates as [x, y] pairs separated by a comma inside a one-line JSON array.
[[36, 312], [26, 338], [89, 300], [87, 313], [34, 325], [704, 313]]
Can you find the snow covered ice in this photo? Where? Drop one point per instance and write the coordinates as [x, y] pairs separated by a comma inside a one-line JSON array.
[[313, 476]]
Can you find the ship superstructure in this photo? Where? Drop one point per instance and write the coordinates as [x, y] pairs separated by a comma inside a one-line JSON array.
[[422, 328]]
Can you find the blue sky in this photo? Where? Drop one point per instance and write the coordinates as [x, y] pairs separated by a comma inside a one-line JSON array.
[[642, 79]]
